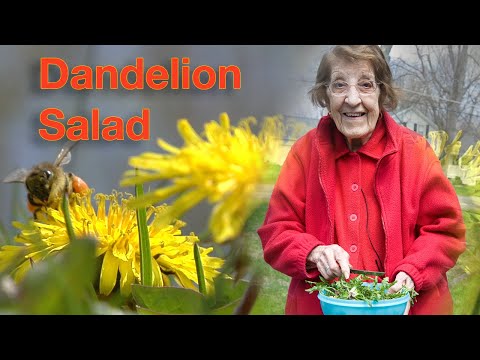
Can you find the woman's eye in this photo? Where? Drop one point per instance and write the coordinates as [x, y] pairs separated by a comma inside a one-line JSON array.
[[339, 85], [365, 84]]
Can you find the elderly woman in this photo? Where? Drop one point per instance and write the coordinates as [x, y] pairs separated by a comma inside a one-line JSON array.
[[360, 191]]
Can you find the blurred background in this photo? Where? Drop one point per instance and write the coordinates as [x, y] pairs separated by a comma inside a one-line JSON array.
[[274, 81]]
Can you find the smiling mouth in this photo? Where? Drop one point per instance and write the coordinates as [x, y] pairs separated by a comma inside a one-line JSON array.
[[354, 115]]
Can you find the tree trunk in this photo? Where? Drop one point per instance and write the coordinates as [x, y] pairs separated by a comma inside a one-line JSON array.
[[459, 61]]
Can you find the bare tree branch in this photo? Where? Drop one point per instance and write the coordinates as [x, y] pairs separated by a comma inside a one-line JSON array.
[[443, 82]]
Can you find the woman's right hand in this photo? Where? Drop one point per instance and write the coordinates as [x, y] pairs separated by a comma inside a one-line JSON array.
[[331, 261]]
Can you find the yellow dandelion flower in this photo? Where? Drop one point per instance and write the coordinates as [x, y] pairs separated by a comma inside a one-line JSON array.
[[223, 166], [115, 228]]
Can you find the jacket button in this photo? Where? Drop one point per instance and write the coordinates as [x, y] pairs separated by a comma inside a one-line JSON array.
[[353, 248], [353, 217], [354, 187]]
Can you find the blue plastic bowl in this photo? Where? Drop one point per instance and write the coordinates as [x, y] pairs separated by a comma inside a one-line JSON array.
[[333, 306]]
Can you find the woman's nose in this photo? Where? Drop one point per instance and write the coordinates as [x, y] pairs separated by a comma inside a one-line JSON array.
[[352, 97]]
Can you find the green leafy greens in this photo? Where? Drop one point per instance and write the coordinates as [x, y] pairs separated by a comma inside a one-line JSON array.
[[356, 289]]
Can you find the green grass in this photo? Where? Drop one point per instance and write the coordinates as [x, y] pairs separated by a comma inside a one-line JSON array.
[[271, 173], [465, 190], [464, 287], [273, 292]]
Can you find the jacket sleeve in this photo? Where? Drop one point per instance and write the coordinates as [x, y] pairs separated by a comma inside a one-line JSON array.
[[285, 243], [440, 229]]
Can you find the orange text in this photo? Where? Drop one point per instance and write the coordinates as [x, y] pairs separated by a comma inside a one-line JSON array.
[[110, 128], [179, 75]]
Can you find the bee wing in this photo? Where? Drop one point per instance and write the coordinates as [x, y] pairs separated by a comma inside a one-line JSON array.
[[64, 156], [17, 175]]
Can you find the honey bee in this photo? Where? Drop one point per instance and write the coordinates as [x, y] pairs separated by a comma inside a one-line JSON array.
[[47, 181]]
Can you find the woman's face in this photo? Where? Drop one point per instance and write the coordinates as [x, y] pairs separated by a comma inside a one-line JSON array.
[[355, 112]]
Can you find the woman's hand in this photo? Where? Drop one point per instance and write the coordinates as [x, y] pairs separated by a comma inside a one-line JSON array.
[[330, 260], [402, 279]]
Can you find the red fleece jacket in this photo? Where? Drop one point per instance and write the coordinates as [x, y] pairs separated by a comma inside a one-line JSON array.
[[421, 214]]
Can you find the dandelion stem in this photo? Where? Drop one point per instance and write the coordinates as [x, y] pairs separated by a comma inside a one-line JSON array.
[[68, 221], [146, 277], [200, 274]]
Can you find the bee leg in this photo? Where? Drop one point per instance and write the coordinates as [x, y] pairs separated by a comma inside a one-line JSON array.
[[33, 206], [35, 214], [68, 183]]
